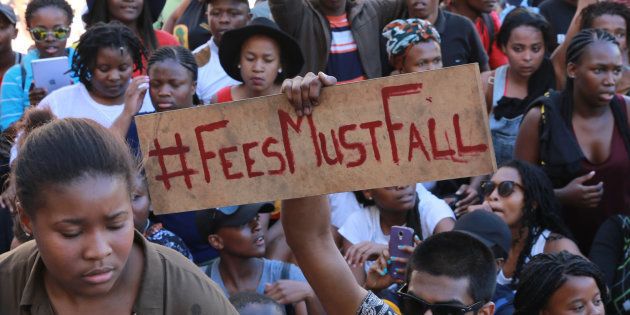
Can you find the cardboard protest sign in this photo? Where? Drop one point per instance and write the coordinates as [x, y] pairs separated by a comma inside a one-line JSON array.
[[377, 133]]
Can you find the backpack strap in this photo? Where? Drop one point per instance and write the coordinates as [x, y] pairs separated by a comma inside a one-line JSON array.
[[487, 20], [621, 119], [23, 72]]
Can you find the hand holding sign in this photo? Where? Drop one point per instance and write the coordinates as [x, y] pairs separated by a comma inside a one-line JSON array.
[[395, 130]]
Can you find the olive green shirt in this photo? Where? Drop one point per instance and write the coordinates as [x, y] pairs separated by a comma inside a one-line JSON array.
[[171, 284]]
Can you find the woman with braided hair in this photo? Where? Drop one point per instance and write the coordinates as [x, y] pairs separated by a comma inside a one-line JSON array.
[[521, 194], [560, 283], [580, 136]]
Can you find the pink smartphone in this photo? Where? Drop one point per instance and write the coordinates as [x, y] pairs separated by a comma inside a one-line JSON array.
[[399, 236]]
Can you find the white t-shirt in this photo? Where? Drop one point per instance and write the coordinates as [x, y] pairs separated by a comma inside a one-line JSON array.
[[365, 225], [211, 77], [74, 101]]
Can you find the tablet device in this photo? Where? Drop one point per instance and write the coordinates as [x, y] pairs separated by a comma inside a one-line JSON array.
[[51, 73]]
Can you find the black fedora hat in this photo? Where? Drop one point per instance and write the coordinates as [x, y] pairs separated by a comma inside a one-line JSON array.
[[155, 5], [232, 41]]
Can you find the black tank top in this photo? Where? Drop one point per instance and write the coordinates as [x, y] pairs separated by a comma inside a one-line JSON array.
[[191, 29]]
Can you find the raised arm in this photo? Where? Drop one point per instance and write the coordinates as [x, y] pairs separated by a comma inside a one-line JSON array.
[[133, 103], [289, 14], [169, 23], [306, 223], [559, 56]]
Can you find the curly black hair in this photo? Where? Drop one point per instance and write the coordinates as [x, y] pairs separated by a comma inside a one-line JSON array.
[[524, 17], [102, 35], [595, 10], [541, 210], [546, 273], [144, 23], [35, 5]]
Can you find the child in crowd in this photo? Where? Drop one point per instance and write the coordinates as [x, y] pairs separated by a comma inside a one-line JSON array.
[[261, 56], [237, 234], [223, 15], [153, 232], [106, 57], [522, 196], [525, 38], [48, 22], [366, 233], [554, 283], [581, 136], [73, 179], [138, 15], [250, 303]]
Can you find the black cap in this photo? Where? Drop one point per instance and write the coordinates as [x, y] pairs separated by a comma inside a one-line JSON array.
[[210, 220], [487, 227], [8, 12]]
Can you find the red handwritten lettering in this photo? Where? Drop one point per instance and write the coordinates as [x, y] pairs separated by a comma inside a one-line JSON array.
[[179, 150], [386, 94], [338, 159], [227, 164], [372, 125], [207, 155], [267, 153], [285, 122], [464, 149], [437, 153], [415, 142], [359, 147], [249, 161]]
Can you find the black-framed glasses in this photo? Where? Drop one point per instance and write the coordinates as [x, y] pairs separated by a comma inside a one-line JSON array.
[[505, 188], [413, 305], [40, 34]]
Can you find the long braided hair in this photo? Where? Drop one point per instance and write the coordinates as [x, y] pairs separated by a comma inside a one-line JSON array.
[[546, 273], [541, 210]]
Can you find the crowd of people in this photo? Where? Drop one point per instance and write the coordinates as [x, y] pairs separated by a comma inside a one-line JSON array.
[[547, 233]]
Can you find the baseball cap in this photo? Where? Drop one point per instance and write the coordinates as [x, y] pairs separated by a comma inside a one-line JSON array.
[[8, 12], [486, 227], [210, 220]]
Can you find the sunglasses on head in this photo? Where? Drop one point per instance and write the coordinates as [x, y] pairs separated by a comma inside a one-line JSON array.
[[416, 306], [505, 188], [41, 34]]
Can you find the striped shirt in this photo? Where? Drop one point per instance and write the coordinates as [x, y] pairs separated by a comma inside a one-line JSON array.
[[343, 60]]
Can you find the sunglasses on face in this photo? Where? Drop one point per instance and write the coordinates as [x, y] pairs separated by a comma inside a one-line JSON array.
[[414, 305], [505, 188], [41, 34]]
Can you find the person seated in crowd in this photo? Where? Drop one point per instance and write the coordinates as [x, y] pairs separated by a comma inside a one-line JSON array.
[[610, 252], [153, 232], [413, 45], [188, 23], [138, 15], [483, 225], [173, 79], [261, 56], [487, 23], [525, 38], [366, 233], [235, 232], [73, 178], [223, 15], [560, 283], [251, 303], [8, 32], [521, 194], [48, 22], [580, 137], [340, 37], [612, 17], [460, 41], [106, 57]]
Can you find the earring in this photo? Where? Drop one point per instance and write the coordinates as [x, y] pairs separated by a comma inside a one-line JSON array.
[[280, 70], [238, 66]]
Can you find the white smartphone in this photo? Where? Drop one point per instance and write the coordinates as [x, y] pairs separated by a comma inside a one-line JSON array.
[[51, 73]]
